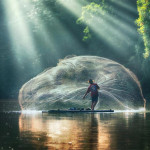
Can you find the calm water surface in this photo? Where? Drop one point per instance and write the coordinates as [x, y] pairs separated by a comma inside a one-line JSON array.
[[104, 131]]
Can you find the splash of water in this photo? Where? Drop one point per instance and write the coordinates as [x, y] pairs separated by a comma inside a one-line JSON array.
[[64, 86]]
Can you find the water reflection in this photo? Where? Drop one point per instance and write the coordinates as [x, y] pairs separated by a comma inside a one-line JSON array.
[[85, 131], [65, 132]]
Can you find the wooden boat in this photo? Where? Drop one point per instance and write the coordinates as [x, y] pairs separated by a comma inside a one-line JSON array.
[[77, 111]]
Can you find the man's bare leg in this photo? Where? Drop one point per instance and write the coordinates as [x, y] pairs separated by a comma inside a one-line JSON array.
[[94, 104]]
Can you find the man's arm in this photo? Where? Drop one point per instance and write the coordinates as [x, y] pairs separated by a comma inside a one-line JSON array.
[[86, 93]]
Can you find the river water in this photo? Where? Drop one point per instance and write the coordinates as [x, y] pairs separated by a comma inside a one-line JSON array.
[[99, 131]]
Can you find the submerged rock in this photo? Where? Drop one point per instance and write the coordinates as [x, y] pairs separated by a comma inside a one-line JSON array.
[[63, 86]]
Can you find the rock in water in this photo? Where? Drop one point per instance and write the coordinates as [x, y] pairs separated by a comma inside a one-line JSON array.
[[63, 86]]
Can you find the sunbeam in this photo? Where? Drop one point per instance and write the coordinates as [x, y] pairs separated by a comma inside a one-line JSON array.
[[27, 30], [110, 29], [46, 34], [125, 5], [73, 6], [41, 29], [23, 45]]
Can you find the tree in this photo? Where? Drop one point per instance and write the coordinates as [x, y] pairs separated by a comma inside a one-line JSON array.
[[89, 12], [143, 23]]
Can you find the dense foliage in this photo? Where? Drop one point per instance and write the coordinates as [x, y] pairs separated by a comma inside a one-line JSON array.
[[89, 12], [144, 23]]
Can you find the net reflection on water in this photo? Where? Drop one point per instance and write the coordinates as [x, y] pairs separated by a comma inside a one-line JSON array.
[[66, 132], [106, 131]]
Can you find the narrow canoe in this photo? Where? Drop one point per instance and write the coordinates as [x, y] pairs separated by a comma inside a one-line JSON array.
[[76, 111]]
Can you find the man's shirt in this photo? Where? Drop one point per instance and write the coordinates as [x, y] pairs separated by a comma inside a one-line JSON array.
[[93, 88]]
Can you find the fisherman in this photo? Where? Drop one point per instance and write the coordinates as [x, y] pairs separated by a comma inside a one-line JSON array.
[[93, 88]]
